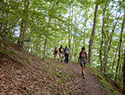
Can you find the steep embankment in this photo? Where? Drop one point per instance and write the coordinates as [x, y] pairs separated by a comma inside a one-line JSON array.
[[24, 74]]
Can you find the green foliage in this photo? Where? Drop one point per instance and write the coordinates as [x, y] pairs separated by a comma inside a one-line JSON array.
[[47, 69], [59, 66], [1, 39], [62, 76], [5, 52], [62, 21], [29, 60], [105, 82]]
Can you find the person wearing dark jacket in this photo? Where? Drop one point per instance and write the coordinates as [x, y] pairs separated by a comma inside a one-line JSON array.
[[55, 52], [66, 51]]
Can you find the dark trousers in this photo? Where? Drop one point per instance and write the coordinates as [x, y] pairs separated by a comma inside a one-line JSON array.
[[66, 58]]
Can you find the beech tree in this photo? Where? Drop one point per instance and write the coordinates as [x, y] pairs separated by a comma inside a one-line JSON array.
[[119, 52], [92, 34]]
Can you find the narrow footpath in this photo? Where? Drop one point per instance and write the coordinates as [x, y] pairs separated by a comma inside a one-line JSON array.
[[90, 85]]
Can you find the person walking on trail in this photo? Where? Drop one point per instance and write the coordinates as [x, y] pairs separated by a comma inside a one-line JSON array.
[[82, 60], [61, 52], [66, 51], [55, 52]]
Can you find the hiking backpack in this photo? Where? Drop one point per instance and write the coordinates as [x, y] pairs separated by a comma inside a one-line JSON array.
[[67, 51]]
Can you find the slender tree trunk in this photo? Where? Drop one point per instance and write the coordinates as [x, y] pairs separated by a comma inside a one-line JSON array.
[[71, 48], [114, 59], [100, 55], [69, 34], [103, 17], [113, 30], [119, 72], [55, 35], [1, 1], [1, 24], [23, 25], [92, 34], [4, 26], [108, 47], [37, 44], [72, 45], [105, 52], [31, 48], [120, 42], [45, 43], [69, 39], [22, 31], [123, 69]]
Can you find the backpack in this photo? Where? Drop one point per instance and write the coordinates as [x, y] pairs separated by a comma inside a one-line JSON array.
[[67, 51]]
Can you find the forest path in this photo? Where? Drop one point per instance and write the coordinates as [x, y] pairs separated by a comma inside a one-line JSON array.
[[90, 85]]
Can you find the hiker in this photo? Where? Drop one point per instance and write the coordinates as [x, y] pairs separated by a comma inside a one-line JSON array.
[[66, 51], [55, 52], [82, 60], [61, 53]]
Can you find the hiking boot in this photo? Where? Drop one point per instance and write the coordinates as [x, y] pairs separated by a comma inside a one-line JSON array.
[[83, 77]]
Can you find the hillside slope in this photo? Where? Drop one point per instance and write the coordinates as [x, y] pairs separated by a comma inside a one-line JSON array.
[[24, 74]]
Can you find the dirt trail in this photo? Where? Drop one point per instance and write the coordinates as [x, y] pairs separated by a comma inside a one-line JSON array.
[[90, 85]]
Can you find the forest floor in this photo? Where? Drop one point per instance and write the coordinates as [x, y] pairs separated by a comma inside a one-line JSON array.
[[47, 77], [24, 74]]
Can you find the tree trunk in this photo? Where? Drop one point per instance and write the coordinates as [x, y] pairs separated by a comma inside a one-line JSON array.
[[1, 1], [101, 61], [45, 43], [92, 34], [119, 53], [113, 30], [55, 45], [69, 40], [108, 47], [4, 26], [37, 44], [23, 25], [45, 46], [70, 30], [22, 32], [0, 16], [114, 59], [123, 69]]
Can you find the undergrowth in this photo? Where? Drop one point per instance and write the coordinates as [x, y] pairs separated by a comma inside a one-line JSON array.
[[100, 76], [64, 77]]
